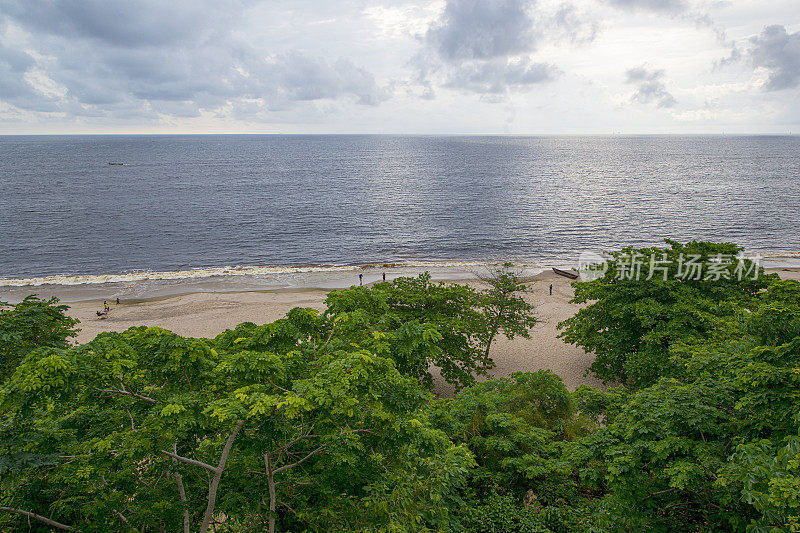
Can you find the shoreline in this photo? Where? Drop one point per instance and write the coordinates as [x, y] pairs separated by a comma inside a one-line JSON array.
[[139, 286], [290, 280], [208, 313]]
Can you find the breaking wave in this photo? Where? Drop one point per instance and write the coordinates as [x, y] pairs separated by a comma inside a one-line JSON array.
[[210, 272]]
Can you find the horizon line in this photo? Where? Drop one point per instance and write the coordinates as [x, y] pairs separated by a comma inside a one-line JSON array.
[[612, 134]]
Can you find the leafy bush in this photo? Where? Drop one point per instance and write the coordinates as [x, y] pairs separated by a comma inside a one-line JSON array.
[[31, 324]]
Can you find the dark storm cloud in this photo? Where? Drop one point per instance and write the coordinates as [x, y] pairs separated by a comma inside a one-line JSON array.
[[487, 46], [650, 87], [779, 52], [128, 59]]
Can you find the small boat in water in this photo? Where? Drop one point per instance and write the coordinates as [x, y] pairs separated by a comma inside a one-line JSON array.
[[565, 273]]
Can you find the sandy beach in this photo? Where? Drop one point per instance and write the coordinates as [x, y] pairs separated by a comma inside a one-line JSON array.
[[206, 314]]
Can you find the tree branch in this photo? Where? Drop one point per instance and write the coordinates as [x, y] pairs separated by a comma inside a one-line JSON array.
[[127, 393], [672, 489], [279, 387], [285, 447], [212, 490], [189, 461], [133, 428], [298, 463], [181, 493], [333, 328], [41, 518], [122, 517]]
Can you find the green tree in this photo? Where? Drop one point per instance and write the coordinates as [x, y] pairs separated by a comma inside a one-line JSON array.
[[420, 323], [31, 324], [717, 447], [258, 428], [631, 322], [517, 429], [503, 307]]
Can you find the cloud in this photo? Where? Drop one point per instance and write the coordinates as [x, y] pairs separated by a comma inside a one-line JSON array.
[[488, 46], [498, 76], [778, 52], [650, 87], [119, 23], [482, 29], [298, 77], [577, 27], [123, 59], [687, 11], [663, 6]]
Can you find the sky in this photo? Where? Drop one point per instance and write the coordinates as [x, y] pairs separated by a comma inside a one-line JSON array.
[[389, 66]]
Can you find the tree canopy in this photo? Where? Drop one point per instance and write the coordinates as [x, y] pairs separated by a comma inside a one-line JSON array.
[[649, 299], [136, 429], [421, 324], [33, 323], [323, 421]]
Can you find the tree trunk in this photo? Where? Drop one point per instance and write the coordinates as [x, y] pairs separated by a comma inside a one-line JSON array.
[[494, 328], [273, 504], [181, 493], [212, 489]]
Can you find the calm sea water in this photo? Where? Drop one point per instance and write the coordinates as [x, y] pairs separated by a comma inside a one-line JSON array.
[[184, 202]]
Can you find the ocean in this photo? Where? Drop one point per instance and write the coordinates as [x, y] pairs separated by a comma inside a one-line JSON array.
[[205, 205]]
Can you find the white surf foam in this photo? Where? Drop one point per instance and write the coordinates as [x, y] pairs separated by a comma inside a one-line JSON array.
[[199, 273]]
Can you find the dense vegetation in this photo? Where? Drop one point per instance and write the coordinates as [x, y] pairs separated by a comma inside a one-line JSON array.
[[325, 422]]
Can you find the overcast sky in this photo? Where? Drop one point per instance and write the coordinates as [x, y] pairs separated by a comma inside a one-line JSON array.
[[444, 66]]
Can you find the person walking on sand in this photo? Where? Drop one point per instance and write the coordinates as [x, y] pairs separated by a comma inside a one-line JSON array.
[[551, 289], [117, 301], [384, 277], [361, 279], [105, 306]]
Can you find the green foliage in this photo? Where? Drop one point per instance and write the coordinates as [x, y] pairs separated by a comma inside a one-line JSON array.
[[319, 421], [419, 323], [501, 514], [517, 428], [104, 431], [767, 477], [31, 324], [601, 403], [718, 446], [631, 324]]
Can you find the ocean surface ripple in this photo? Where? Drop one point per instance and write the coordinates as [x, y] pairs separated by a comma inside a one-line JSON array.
[[183, 204]]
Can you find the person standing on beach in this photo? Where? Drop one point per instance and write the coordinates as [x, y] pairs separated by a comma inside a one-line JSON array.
[[551, 289], [117, 301], [105, 306], [384, 277], [361, 279]]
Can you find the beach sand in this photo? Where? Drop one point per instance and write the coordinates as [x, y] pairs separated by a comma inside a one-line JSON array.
[[206, 314]]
